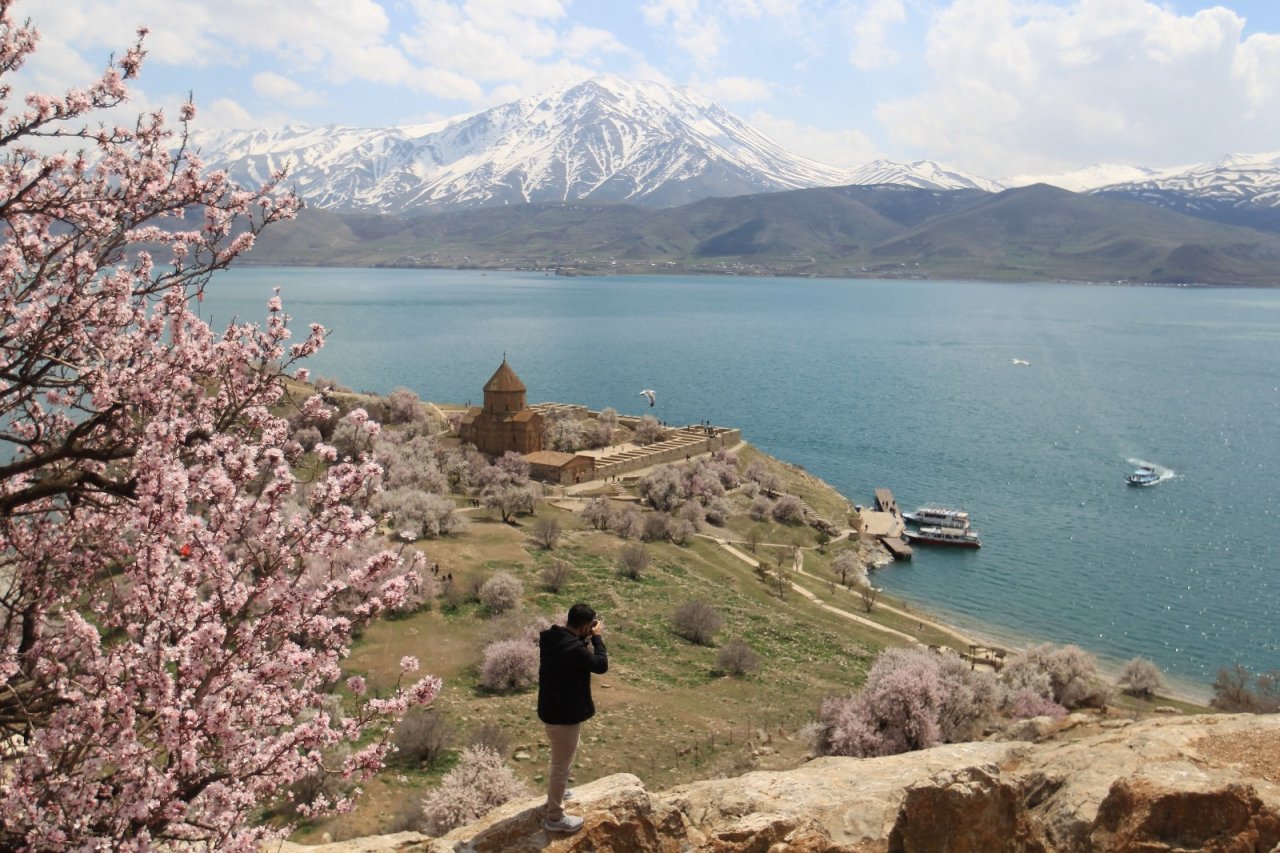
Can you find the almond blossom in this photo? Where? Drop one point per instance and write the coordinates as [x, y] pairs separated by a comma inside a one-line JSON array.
[[164, 656]]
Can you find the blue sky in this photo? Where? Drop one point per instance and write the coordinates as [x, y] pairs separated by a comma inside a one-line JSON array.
[[995, 87]]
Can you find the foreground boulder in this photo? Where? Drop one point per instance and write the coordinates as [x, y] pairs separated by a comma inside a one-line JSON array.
[[1208, 783]]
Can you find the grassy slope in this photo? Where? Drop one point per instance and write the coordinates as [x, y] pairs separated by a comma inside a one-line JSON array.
[[664, 713]]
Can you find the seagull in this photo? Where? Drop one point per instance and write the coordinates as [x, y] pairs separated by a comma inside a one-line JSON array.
[[1021, 361], [653, 398]]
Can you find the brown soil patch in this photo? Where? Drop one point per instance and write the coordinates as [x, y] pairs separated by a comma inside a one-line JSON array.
[[1258, 753]]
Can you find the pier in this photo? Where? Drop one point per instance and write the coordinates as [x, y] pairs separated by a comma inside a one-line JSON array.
[[885, 523]]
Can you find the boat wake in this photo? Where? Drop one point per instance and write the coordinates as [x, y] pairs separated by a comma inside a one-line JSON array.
[[1161, 471]]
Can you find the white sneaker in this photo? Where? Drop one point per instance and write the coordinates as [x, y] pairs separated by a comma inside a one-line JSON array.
[[568, 793], [568, 823]]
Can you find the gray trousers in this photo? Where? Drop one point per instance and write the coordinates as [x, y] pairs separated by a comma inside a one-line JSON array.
[[564, 743]]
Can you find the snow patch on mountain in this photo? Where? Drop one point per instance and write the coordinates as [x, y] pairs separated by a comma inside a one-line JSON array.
[[1238, 180], [923, 174]]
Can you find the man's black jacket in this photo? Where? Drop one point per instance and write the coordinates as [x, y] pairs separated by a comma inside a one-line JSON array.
[[565, 664]]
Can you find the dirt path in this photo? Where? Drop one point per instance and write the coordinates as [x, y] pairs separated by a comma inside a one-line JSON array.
[[853, 617], [963, 639]]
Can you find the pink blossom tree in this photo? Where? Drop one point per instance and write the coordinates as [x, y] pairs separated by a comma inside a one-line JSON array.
[[165, 658]]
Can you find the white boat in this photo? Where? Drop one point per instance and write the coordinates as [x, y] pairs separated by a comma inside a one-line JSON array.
[[1143, 476], [961, 537], [938, 517]]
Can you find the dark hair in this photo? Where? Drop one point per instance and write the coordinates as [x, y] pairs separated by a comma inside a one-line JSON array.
[[580, 615]]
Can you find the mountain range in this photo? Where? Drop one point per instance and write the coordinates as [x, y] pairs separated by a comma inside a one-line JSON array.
[[608, 172]]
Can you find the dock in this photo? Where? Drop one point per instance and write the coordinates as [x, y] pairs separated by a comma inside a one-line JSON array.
[[898, 548], [890, 533], [885, 502]]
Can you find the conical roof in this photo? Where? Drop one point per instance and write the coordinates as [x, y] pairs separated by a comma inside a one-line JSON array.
[[504, 379]]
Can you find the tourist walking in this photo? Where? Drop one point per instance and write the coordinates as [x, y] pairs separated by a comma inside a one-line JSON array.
[[567, 655]]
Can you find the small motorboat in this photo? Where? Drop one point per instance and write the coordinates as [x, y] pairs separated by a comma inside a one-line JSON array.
[[1143, 476]]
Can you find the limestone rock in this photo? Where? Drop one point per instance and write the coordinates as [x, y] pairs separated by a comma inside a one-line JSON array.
[[970, 809], [400, 842], [1157, 786], [619, 815], [1139, 816]]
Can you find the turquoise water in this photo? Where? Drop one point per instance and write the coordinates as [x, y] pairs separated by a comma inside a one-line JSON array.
[[910, 385]]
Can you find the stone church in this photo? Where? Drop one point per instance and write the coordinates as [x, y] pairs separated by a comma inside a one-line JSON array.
[[505, 422]]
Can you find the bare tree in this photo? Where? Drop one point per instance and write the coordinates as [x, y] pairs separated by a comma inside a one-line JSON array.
[[633, 560], [869, 595], [547, 532], [753, 539], [738, 659]]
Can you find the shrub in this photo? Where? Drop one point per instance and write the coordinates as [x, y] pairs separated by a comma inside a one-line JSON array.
[[1027, 703], [478, 784], [491, 737], [598, 513], [417, 514], [718, 512], [564, 432], [649, 431], [896, 710], [969, 697], [738, 659], [556, 574], [509, 666], [759, 473], [422, 738], [546, 532], [656, 527], [1071, 671], [911, 700], [1140, 677], [403, 406], [632, 561], [697, 621], [501, 592], [1232, 691], [788, 509], [308, 437], [662, 488], [680, 530], [627, 524]]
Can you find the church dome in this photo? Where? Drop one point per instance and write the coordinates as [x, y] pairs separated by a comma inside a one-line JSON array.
[[504, 379]]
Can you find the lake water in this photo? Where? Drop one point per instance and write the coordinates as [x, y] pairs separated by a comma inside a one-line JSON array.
[[909, 385]]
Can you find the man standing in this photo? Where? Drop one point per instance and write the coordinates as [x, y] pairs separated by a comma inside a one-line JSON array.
[[566, 658]]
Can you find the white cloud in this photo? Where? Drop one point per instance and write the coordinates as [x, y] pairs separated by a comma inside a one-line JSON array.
[[871, 26], [1022, 86], [225, 114], [697, 32], [735, 89], [833, 147], [504, 48], [278, 87]]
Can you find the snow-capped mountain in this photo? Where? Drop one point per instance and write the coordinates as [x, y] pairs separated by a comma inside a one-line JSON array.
[[604, 139], [923, 174], [1085, 178], [1236, 179]]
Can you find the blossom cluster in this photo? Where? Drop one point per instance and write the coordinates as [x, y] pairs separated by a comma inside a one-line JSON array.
[[165, 656]]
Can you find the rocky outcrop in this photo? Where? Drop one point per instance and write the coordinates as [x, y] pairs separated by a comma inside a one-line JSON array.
[[1188, 784]]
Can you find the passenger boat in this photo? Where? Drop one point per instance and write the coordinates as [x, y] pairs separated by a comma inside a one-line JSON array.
[[933, 516], [961, 537], [1144, 476]]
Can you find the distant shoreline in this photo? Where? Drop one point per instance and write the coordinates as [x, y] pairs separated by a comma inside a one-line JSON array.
[[247, 261]]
